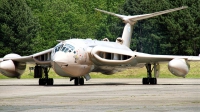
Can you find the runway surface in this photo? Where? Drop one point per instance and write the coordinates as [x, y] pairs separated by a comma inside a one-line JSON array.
[[100, 95]]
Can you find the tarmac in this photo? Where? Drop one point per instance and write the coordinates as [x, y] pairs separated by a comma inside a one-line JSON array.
[[100, 95]]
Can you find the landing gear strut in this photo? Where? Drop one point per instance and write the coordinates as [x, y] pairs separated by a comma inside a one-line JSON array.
[[46, 80], [149, 79], [77, 80]]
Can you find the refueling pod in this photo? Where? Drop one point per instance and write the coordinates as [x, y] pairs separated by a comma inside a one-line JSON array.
[[179, 67]]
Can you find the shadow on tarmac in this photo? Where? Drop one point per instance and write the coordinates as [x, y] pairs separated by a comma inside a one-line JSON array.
[[96, 84]]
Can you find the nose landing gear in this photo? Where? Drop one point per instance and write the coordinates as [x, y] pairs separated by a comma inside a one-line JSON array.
[[77, 80]]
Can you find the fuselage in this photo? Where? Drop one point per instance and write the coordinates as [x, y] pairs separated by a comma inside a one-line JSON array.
[[70, 58]]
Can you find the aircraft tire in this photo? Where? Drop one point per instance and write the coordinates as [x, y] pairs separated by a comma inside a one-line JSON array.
[[153, 81], [145, 81], [42, 81], [50, 81], [76, 81], [81, 81]]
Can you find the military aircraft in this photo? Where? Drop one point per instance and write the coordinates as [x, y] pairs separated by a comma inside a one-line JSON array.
[[76, 58]]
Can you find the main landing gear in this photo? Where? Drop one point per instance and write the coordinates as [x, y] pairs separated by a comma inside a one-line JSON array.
[[38, 74], [149, 79], [77, 80]]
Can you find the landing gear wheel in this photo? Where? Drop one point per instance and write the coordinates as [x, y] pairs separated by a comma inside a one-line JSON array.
[[76, 81], [149, 79], [50, 81], [46, 80], [81, 81], [153, 81], [145, 81], [42, 81]]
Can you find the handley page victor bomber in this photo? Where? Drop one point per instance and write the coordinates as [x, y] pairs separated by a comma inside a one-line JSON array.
[[76, 58]]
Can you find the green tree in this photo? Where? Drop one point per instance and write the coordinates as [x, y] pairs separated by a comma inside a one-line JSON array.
[[181, 30], [146, 35], [17, 27], [64, 19], [173, 33]]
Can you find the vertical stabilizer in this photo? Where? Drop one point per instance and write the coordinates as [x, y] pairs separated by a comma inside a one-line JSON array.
[[127, 34], [131, 20]]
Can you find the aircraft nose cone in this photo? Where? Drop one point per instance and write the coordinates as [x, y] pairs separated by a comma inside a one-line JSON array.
[[60, 61], [60, 58]]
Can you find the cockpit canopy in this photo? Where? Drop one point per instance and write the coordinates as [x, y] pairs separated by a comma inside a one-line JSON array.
[[67, 48], [63, 47], [58, 47]]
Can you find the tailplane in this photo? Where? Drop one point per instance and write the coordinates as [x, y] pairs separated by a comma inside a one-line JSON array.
[[131, 20]]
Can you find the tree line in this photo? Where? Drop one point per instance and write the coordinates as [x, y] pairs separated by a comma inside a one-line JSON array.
[[30, 26]]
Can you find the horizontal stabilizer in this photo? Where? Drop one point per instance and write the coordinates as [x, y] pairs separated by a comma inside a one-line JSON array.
[[134, 19]]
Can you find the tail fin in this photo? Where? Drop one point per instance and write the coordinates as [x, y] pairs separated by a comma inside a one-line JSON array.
[[131, 20]]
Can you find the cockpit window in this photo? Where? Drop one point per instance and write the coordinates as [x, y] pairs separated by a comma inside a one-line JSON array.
[[67, 48], [58, 47], [63, 47]]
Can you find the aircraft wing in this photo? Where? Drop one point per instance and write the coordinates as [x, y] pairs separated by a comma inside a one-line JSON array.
[[101, 55], [43, 57], [105, 56], [149, 58]]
